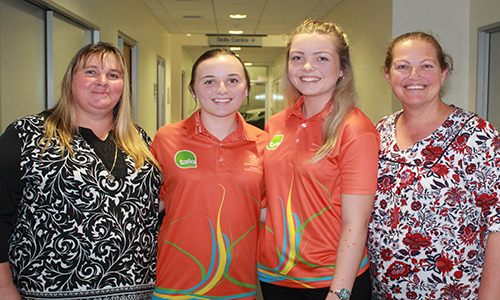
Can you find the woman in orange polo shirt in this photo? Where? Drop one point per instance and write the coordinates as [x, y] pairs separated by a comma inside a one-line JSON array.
[[320, 175], [212, 190]]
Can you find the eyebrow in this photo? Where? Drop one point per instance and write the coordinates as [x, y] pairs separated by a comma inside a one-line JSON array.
[[228, 75], [316, 52], [96, 66]]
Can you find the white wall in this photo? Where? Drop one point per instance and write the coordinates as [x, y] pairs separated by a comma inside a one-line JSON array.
[[367, 23], [448, 20]]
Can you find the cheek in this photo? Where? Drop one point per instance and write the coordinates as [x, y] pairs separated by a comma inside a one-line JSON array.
[[291, 71]]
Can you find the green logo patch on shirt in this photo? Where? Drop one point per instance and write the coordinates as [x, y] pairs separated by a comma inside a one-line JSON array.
[[275, 142], [185, 159]]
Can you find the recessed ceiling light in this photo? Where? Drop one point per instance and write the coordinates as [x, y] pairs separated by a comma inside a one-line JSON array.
[[235, 31], [237, 16], [188, 34], [248, 64], [235, 48]]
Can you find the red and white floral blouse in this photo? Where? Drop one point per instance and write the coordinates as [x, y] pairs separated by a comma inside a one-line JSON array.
[[436, 203]]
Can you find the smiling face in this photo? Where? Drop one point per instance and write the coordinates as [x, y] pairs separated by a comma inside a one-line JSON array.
[[96, 88], [220, 86], [314, 66], [415, 75]]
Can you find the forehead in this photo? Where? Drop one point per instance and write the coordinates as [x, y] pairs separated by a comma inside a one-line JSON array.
[[415, 48], [220, 65], [103, 60], [312, 42]]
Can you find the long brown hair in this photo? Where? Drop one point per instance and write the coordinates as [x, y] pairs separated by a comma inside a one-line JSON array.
[[344, 96], [61, 124]]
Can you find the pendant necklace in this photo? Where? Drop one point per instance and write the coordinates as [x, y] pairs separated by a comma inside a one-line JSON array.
[[110, 176]]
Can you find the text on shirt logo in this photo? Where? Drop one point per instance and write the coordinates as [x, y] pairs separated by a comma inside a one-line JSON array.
[[185, 159], [275, 142]]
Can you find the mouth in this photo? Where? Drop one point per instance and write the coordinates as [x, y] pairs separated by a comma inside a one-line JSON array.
[[309, 79], [225, 100], [415, 87]]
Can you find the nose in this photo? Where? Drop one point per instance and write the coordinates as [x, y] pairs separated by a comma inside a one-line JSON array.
[[101, 80], [222, 88], [307, 66], [414, 74]]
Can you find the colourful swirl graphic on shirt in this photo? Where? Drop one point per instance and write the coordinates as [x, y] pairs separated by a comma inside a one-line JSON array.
[[293, 243], [219, 269]]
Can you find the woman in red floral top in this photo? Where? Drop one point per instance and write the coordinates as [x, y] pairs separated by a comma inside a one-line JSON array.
[[436, 219]]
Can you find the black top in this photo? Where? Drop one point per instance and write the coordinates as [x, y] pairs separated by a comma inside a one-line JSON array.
[[67, 230]]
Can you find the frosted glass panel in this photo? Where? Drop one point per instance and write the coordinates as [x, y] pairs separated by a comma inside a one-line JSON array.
[[68, 39], [22, 76]]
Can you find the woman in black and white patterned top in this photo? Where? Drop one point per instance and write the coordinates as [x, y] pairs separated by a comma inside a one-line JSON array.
[[79, 191]]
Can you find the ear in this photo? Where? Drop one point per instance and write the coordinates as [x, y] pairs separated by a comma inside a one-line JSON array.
[[341, 74], [388, 77], [443, 75], [192, 94], [246, 93]]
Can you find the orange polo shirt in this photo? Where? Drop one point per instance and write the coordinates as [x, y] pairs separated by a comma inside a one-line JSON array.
[[297, 247], [212, 192]]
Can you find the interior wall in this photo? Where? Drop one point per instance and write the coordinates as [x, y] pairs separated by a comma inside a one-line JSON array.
[[368, 26], [482, 13], [448, 20], [136, 20]]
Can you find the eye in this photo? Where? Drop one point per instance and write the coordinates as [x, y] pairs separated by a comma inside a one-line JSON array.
[[208, 82], [115, 75], [295, 57], [427, 66], [233, 80], [323, 58], [89, 71], [401, 67]]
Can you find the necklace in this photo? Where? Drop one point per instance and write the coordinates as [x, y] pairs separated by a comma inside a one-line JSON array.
[[111, 177]]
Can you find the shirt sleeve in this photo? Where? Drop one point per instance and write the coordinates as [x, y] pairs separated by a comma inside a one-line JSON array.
[[11, 186], [359, 157]]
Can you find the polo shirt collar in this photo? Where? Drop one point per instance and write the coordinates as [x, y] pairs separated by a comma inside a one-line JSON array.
[[195, 126], [296, 110]]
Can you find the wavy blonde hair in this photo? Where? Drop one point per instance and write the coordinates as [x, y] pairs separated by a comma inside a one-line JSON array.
[[344, 96], [61, 124]]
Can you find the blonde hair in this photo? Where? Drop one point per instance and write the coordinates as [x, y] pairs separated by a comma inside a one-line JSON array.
[[61, 124], [344, 97]]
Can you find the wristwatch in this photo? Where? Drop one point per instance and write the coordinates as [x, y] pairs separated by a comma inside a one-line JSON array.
[[343, 294]]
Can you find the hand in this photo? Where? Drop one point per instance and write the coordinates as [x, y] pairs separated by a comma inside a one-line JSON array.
[[8, 290], [9, 293]]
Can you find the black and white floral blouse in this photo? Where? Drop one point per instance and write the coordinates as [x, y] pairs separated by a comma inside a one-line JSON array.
[[75, 234], [435, 206]]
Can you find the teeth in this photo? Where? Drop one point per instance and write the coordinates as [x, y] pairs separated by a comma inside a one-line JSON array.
[[309, 79], [415, 87], [221, 100]]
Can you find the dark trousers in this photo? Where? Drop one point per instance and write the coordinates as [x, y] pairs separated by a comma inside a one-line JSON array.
[[362, 290]]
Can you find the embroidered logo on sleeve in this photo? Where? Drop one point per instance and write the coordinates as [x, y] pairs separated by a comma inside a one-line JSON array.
[[275, 142], [185, 159]]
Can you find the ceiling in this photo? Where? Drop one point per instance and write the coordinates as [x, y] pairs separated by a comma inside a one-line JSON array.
[[264, 17]]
